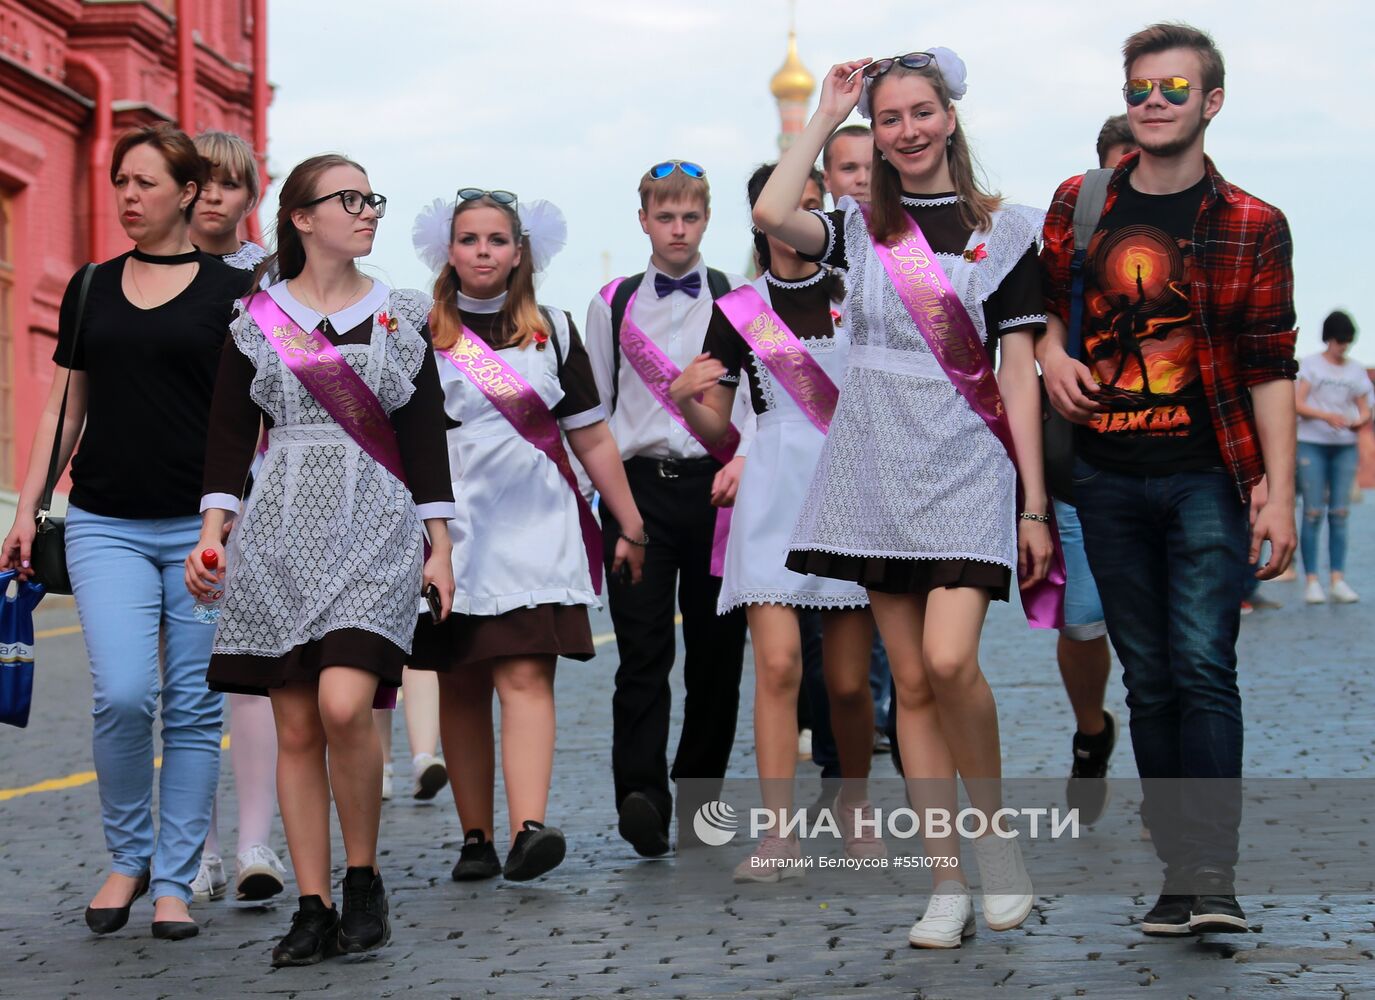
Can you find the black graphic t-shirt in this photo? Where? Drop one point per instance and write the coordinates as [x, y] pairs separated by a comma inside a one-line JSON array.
[[1140, 339]]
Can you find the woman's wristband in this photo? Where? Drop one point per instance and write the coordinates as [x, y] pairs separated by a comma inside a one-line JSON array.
[[640, 542], [1039, 518]]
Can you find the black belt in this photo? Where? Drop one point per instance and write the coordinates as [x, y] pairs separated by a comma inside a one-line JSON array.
[[672, 468]]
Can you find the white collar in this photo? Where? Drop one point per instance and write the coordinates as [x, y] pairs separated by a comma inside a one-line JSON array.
[[778, 282], [481, 306], [920, 201], [343, 320]]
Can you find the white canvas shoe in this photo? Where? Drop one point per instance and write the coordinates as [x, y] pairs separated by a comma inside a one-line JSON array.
[[261, 874], [1007, 892], [209, 882], [948, 920], [1313, 594], [1343, 594]]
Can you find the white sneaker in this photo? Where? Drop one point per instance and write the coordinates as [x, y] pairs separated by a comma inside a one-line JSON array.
[[209, 882], [261, 874], [1313, 593], [386, 782], [1007, 892], [859, 844], [1343, 594], [948, 920], [429, 774], [804, 744], [774, 860]]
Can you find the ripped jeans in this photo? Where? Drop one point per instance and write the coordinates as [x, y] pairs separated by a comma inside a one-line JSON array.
[[1326, 475]]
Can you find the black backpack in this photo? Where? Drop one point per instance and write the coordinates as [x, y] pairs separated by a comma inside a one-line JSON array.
[[717, 284]]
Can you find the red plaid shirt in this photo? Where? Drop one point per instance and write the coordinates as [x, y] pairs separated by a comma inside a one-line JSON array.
[[1242, 295]]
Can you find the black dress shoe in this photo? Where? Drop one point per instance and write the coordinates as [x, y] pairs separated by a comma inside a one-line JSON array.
[[363, 925], [175, 930], [643, 826], [108, 919], [478, 859], [538, 849], [314, 935]]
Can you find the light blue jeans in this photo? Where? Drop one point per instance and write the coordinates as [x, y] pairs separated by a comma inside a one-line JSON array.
[[1326, 475], [128, 578]]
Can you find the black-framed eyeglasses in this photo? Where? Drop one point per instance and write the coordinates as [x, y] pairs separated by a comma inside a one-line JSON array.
[[913, 60], [500, 197], [661, 170], [353, 201]]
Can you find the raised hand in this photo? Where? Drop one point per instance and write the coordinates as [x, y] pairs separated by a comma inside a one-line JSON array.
[[841, 89]]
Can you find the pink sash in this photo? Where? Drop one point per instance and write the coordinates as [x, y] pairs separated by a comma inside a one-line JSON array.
[[943, 322], [783, 354], [329, 378], [517, 401], [657, 372], [333, 383]]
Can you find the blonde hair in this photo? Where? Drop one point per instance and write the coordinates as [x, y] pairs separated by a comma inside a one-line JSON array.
[[676, 186], [885, 186], [232, 154], [520, 317]]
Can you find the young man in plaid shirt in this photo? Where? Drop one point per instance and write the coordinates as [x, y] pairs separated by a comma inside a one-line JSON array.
[[1183, 397]]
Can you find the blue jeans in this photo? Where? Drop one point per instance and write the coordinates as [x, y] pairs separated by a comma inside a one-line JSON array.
[[1326, 474], [1167, 554], [1083, 607], [129, 584]]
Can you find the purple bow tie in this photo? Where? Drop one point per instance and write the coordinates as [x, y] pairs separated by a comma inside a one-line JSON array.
[[691, 284]]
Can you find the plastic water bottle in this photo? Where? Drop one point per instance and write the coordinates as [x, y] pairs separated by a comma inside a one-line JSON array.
[[208, 612]]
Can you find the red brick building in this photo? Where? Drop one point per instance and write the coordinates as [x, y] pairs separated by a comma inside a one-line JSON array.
[[74, 74]]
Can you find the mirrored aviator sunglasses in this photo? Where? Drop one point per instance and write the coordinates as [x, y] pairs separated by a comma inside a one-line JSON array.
[[1174, 89], [661, 170], [500, 197], [913, 60]]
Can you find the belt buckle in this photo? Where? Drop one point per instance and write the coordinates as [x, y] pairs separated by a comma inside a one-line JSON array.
[[668, 469]]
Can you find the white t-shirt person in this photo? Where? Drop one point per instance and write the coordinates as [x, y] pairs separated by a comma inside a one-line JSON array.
[[1333, 389]]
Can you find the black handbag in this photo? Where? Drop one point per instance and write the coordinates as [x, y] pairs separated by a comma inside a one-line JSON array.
[[48, 553], [1057, 433]]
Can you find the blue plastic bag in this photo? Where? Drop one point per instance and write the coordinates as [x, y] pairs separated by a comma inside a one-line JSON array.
[[16, 649]]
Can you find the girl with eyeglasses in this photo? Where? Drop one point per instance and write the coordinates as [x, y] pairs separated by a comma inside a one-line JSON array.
[[326, 564], [523, 535], [915, 494], [806, 298]]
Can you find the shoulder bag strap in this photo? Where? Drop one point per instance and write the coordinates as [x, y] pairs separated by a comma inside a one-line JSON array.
[[45, 502], [1088, 209]]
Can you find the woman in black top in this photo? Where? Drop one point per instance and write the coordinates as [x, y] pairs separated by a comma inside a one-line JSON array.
[[141, 370]]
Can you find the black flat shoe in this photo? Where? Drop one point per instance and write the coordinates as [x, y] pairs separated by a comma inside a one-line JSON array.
[[538, 849], [314, 935], [363, 925], [175, 930], [643, 826], [478, 859], [108, 919]]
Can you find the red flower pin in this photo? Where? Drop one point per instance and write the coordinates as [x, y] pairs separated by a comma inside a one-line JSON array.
[[541, 338], [835, 317], [976, 255], [388, 321]]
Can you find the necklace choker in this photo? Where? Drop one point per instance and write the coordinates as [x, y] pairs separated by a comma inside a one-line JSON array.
[[189, 257]]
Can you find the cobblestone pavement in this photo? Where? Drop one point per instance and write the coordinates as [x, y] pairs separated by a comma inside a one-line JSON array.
[[607, 922]]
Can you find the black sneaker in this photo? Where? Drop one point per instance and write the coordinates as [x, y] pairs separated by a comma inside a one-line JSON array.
[[1215, 909], [1169, 917], [314, 935], [643, 826], [1087, 788], [363, 925], [478, 859], [538, 849]]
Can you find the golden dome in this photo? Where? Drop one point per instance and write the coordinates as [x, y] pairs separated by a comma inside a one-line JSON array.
[[792, 82]]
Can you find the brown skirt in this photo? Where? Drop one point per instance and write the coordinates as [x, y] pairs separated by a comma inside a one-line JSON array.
[[905, 576], [462, 640], [242, 673]]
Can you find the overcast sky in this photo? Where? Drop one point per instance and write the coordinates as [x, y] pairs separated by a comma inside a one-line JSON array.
[[572, 101]]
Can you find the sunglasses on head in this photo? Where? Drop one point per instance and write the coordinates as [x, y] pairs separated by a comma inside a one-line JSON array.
[[1174, 89], [661, 170], [500, 197], [353, 202], [913, 60]]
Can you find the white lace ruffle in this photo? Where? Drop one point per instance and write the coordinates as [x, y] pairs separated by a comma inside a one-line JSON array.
[[777, 282], [812, 602], [1016, 321], [917, 201]]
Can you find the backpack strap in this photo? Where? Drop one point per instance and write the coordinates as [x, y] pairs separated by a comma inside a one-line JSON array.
[[558, 321], [1088, 209], [620, 301], [717, 283]]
